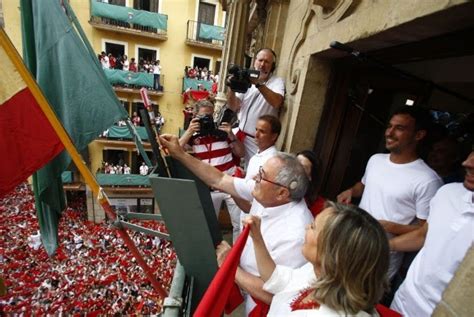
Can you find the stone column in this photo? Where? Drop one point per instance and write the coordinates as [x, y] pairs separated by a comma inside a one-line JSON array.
[[234, 44]]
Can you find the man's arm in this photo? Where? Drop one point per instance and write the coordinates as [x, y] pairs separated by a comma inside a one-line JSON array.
[[398, 229], [274, 99], [253, 285], [233, 102], [194, 126], [207, 173], [265, 263], [237, 147], [243, 204], [411, 241], [355, 191]]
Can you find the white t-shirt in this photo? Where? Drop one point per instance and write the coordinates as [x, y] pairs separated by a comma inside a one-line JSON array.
[[286, 284], [258, 160], [126, 65], [283, 229], [398, 193], [450, 235], [254, 105], [157, 69]]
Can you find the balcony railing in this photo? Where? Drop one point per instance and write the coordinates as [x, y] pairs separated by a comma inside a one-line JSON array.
[[128, 19], [193, 84], [132, 80], [122, 180], [202, 34], [123, 133]]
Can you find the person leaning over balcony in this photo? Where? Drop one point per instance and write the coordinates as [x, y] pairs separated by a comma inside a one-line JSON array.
[[264, 97]]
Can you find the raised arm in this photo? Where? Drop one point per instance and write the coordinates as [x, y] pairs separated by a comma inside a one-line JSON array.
[[207, 173], [265, 263], [194, 126], [233, 102]]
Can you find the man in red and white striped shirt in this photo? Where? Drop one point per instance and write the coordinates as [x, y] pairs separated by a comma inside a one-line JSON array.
[[218, 147]]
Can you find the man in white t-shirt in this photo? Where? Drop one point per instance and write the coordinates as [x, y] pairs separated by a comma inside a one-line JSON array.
[[264, 97], [446, 238], [397, 187], [277, 192]]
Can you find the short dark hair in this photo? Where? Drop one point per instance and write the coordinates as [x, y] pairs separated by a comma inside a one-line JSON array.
[[273, 121], [422, 116]]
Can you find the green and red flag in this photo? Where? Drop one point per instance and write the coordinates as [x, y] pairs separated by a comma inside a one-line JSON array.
[[76, 88]]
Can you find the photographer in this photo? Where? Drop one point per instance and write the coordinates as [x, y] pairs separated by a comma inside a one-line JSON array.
[[265, 96], [217, 147]]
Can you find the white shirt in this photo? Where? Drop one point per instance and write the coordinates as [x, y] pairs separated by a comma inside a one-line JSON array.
[[143, 170], [450, 235], [286, 284], [258, 160], [283, 229], [254, 105], [398, 193], [157, 69]]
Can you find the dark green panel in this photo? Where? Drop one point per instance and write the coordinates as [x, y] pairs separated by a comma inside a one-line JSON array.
[[189, 228]]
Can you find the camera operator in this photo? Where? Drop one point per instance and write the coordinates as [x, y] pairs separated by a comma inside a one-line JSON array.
[[217, 147], [264, 97]]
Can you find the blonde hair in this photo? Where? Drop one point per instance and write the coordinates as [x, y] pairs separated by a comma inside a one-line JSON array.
[[353, 257]]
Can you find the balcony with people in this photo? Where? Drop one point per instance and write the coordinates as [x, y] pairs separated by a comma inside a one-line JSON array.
[[120, 18], [129, 76], [205, 35]]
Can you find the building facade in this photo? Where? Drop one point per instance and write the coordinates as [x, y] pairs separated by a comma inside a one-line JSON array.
[[178, 33]]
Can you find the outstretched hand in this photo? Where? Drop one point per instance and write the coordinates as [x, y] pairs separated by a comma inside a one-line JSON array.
[[170, 144]]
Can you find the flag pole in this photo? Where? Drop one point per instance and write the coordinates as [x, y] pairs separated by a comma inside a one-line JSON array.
[[76, 157]]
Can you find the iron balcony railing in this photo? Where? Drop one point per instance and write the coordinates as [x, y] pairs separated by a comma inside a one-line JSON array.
[[128, 18], [205, 33]]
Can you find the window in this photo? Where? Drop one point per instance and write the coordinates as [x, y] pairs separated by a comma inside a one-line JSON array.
[[147, 5], [201, 62], [117, 2], [147, 54], [115, 49], [207, 12], [115, 157]]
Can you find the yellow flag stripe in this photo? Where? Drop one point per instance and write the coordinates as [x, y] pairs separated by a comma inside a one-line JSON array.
[[10, 80]]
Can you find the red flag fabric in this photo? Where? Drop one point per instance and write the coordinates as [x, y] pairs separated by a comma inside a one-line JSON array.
[[214, 300], [27, 139]]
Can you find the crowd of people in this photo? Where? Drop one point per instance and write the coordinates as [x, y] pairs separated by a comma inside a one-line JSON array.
[[110, 168], [200, 73], [92, 272], [121, 62]]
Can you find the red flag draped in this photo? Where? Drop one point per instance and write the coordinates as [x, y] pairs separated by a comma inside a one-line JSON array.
[[214, 300]]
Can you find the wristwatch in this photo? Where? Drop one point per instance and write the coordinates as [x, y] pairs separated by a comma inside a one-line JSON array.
[[258, 85]]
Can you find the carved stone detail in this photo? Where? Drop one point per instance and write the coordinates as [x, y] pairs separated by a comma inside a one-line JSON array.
[[329, 12]]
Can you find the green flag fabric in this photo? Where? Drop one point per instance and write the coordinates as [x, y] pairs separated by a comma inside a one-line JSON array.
[[77, 90]]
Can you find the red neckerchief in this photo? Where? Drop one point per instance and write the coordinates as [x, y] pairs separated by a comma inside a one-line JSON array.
[[298, 304]]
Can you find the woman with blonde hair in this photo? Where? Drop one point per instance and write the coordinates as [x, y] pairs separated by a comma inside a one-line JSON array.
[[348, 256]]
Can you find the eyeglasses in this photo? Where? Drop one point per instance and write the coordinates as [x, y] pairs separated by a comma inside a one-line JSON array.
[[259, 177]]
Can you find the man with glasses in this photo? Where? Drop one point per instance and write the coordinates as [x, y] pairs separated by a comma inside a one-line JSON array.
[[277, 193]]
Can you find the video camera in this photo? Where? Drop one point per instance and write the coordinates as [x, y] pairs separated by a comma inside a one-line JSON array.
[[240, 82]]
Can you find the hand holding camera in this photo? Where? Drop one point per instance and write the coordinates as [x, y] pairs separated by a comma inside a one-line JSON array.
[[241, 79]]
